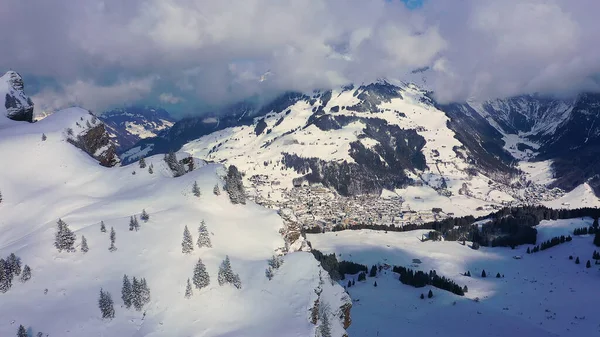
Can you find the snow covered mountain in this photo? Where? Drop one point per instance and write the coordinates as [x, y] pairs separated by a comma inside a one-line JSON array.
[[127, 126], [16, 105], [50, 179]]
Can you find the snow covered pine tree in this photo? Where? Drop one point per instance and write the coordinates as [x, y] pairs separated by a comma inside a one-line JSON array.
[[196, 190], [226, 274], [105, 303], [188, 289], [113, 238], [201, 278], [203, 236], [187, 244], [234, 186], [127, 292], [64, 238], [84, 245]]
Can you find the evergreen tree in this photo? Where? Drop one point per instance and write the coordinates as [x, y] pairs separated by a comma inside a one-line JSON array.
[[498, 275], [188, 289], [375, 284], [187, 245], [134, 223], [234, 186], [203, 236], [217, 190], [127, 292], [362, 276], [64, 238], [353, 282], [21, 332], [44, 137], [468, 273], [84, 245], [113, 238], [528, 251], [145, 292], [597, 238], [483, 273], [196, 190], [201, 278], [269, 273], [102, 227], [13, 265], [373, 271], [275, 262], [422, 296], [176, 167], [577, 260], [142, 162], [325, 327], [0, 196], [588, 264], [465, 289], [145, 216], [106, 305], [136, 299], [5, 279], [226, 274], [595, 223], [151, 169], [430, 294], [26, 274], [349, 283]]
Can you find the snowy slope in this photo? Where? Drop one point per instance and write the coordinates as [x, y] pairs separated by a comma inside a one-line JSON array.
[[542, 294], [14, 104], [52, 179]]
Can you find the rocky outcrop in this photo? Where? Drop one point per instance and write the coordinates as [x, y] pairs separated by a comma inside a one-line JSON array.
[[18, 106], [95, 141]]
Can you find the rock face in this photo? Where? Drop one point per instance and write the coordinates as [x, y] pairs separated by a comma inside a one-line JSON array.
[[91, 136], [18, 106]]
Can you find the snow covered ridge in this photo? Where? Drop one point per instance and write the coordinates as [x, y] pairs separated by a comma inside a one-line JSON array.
[[53, 180], [14, 104]]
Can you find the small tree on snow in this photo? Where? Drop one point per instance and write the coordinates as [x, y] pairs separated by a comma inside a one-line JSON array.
[[0, 196], [187, 244], [64, 238], [106, 305], [151, 169], [44, 137], [5, 278], [133, 223], [201, 278], [145, 292], [325, 326], [136, 297], [21, 332], [26, 274], [196, 190], [226, 274], [113, 238], [203, 236], [145, 216], [188, 289], [13, 265], [102, 227], [127, 292], [84, 245], [142, 162], [217, 190]]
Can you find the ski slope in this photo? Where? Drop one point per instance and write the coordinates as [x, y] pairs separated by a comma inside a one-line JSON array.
[[542, 294], [42, 181]]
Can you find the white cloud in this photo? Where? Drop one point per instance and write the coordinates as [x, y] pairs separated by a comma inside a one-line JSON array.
[[167, 97]]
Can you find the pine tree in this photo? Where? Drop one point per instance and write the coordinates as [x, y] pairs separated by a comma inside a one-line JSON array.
[[468, 273], [577, 260], [362, 276], [145, 292], [21, 332], [176, 167], [145, 216], [64, 238], [188, 289], [203, 236], [44, 137], [373, 271], [234, 186], [13, 264], [226, 274], [201, 278], [483, 273], [26, 274], [325, 327], [217, 190], [422, 296], [151, 169], [349, 283], [102, 227], [528, 251], [136, 299], [0, 196], [430, 294], [498, 275], [133, 223], [275, 262], [269, 273], [375, 284], [106, 305], [113, 238], [127, 292], [597, 238], [187, 245], [142, 162], [588, 264], [465, 289], [5, 279], [196, 190], [84, 245]]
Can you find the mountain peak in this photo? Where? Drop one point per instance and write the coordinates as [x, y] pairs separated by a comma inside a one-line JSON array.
[[17, 106]]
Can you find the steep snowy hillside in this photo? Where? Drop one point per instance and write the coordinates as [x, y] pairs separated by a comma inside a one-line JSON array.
[[129, 125], [537, 295], [50, 179], [14, 104]]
